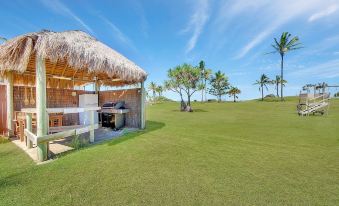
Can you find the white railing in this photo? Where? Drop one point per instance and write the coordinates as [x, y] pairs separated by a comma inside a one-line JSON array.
[[68, 131]]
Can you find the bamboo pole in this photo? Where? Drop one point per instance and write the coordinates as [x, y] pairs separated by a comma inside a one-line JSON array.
[[42, 148], [143, 95], [10, 107]]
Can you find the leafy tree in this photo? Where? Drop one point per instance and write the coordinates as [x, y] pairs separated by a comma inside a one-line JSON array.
[[284, 45], [153, 88], [263, 82], [219, 85], [189, 78], [204, 75], [184, 80], [173, 84], [278, 81], [233, 92]]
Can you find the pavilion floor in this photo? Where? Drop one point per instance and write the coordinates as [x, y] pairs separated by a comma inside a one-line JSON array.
[[61, 146]]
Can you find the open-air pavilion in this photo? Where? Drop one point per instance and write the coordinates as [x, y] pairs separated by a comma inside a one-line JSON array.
[[47, 60]]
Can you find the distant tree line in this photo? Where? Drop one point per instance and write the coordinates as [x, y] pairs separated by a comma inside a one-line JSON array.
[[186, 80]]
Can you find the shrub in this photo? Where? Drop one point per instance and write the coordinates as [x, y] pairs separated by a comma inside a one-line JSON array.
[[77, 142], [270, 96], [3, 140]]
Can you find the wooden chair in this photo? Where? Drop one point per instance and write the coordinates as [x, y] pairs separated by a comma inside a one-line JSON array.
[[20, 124], [55, 120]]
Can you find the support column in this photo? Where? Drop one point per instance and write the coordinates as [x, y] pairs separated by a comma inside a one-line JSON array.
[[41, 109], [10, 108], [143, 102], [29, 143], [91, 132]]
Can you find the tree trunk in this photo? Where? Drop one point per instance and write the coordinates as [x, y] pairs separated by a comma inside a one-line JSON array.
[[188, 107], [262, 93], [282, 77], [277, 87], [204, 89], [182, 103], [202, 95], [233, 97]]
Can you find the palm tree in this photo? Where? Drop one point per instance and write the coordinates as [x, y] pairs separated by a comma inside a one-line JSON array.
[[159, 89], [278, 81], [153, 87], [284, 45], [234, 91], [205, 75], [263, 82], [219, 85]]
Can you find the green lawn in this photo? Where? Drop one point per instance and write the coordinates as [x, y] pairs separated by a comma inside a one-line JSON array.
[[249, 153]]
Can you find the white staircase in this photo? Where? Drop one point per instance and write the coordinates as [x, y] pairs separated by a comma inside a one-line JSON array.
[[319, 104]]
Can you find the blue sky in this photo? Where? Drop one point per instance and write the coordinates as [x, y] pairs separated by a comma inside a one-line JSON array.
[[229, 35]]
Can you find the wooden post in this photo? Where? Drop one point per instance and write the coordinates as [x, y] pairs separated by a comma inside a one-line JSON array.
[[91, 132], [42, 148], [143, 95], [10, 107], [29, 143]]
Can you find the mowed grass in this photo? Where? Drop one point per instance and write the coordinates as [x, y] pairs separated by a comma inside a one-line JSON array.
[[247, 153]]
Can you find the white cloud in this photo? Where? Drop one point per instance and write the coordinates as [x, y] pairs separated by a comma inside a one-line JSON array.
[[62, 9], [327, 70], [197, 23], [324, 13], [118, 33]]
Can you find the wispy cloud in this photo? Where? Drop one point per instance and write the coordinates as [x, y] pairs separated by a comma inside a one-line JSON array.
[[120, 36], [259, 19], [280, 15], [327, 70], [324, 13], [197, 23], [62, 9]]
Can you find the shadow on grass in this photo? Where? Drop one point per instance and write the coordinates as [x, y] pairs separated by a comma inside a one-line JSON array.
[[150, 127], [194, 110]]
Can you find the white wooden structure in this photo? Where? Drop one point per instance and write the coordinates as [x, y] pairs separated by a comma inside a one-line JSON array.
[[62, 60]]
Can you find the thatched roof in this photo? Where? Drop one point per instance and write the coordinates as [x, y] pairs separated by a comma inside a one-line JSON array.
[[70, 54]]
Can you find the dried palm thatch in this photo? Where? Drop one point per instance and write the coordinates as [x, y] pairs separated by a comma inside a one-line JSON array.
[[80, 53]]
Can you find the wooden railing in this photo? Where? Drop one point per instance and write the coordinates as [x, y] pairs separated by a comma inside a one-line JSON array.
[[31, 138]]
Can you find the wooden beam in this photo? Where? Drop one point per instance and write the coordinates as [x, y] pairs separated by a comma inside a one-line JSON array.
[[42, 148], [10, 103], [63, 71], [28, 128], [66, 110], [91, 133], [30, 136], [67, 133], [143, 99], [54, 66]]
